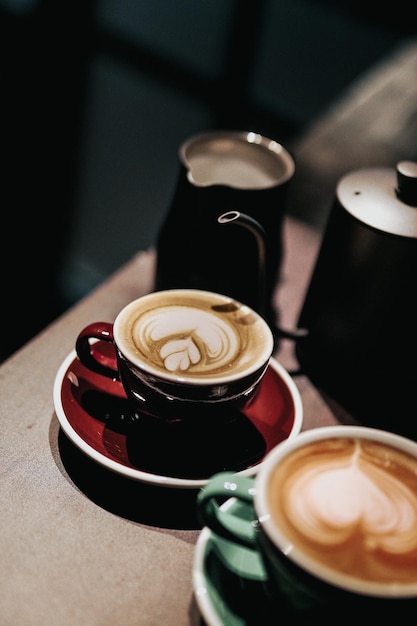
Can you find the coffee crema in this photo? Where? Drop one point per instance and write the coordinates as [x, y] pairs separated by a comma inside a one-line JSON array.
[[192, 334], [350, 506]]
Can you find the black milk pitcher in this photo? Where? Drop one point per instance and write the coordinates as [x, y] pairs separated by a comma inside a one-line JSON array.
[[223, 229]]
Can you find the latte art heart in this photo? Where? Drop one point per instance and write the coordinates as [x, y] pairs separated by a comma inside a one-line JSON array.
[[180, 354], [187, 338], [350, 505], [340, 498], [193, 337]]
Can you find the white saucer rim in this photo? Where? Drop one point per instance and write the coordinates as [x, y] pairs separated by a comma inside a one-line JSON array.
[[157, 479], [199, 578]]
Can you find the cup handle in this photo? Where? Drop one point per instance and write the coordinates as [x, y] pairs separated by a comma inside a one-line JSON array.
[[91, 359], [234, 537], [226, 524], [241, 561]]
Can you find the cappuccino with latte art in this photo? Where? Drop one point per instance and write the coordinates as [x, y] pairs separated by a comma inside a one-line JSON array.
[[348, 509], [330, 521], [194, 335], [184, 354]]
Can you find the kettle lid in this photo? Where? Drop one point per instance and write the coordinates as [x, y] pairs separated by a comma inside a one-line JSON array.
[[383, 198]]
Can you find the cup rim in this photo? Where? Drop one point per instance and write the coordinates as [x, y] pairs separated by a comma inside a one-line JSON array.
[[207, 381], [278, 538]]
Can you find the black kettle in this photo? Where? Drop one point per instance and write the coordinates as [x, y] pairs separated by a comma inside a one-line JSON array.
[[360, 308]]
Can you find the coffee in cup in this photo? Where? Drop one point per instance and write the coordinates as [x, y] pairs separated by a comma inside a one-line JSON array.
[[334, 521], [183, 354]]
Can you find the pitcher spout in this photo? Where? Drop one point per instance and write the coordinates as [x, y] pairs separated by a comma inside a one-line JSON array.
[[236, 217]]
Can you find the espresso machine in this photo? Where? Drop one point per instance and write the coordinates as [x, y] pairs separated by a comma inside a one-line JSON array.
[[359, 316]]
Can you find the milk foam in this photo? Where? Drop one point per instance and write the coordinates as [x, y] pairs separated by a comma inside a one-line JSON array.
[[231, 170], [186, 338], [194, 335], [353, 507]]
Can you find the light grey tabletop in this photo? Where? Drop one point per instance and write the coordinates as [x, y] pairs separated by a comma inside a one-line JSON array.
[[80, 544]]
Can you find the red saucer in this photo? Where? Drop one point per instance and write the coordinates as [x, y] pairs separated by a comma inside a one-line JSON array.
[[93, 411]]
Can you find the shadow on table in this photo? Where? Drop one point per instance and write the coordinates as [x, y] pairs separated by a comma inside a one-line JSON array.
[[153, 505]]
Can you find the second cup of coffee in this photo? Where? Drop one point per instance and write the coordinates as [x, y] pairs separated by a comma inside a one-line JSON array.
[[330, 521], [183, 354]]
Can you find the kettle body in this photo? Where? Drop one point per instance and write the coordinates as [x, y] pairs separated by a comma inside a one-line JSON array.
[[360, 309]]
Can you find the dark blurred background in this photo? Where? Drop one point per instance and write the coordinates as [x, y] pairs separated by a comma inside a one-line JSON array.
[[98, 95]]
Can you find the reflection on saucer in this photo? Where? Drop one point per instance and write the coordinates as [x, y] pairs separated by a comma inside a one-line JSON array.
[[95, 414]]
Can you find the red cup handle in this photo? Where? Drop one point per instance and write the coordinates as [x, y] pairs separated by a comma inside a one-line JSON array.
[[91, 358]]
